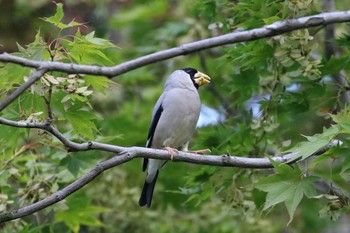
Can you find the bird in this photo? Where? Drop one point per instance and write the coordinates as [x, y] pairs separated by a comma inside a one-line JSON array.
[[173, 124]]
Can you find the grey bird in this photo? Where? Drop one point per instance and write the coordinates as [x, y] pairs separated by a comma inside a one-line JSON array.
[[174, 120]]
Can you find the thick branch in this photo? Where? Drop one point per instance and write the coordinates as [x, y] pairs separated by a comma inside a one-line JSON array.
[[134, 152], [214, 160], [276, 28], [126, 154]]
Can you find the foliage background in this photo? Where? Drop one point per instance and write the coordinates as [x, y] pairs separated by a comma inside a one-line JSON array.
[[271, 92]]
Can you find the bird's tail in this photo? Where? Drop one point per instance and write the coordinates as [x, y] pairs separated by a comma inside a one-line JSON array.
[[147, 192]]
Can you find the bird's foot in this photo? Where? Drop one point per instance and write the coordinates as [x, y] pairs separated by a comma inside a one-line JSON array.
[[201, 152], [171, 152]]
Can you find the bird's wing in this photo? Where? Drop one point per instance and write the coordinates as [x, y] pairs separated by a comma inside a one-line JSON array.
[[157, 112]]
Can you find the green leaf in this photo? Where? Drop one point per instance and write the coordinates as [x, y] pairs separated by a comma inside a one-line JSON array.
[[320, 159], [30, 229], [314, 143], [99, 41], [334, 65], [90, 49], [342, 119], [37, 50], [80, 212], [82, 121], [57, 18], [12, 75], [271, 19], [288, 185], [99, 83], [75, 164]]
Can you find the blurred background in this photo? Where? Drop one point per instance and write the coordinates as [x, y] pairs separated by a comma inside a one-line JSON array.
[[258, 92]]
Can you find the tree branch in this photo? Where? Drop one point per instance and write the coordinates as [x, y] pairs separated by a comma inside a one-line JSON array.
[[72, 146], [273, 29], [126, 154], [214, 160], [32, 79], [135, 152]]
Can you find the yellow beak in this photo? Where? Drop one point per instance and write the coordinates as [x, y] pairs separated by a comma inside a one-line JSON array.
[[201, 79]]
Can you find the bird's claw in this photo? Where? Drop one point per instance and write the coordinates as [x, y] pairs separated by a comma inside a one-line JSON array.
[[171, 152], [201, 152]]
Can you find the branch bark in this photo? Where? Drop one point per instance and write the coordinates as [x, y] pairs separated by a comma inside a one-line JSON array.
[[214, 160], [32, 79], [126, 154], [273, 29], [135, 152]]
